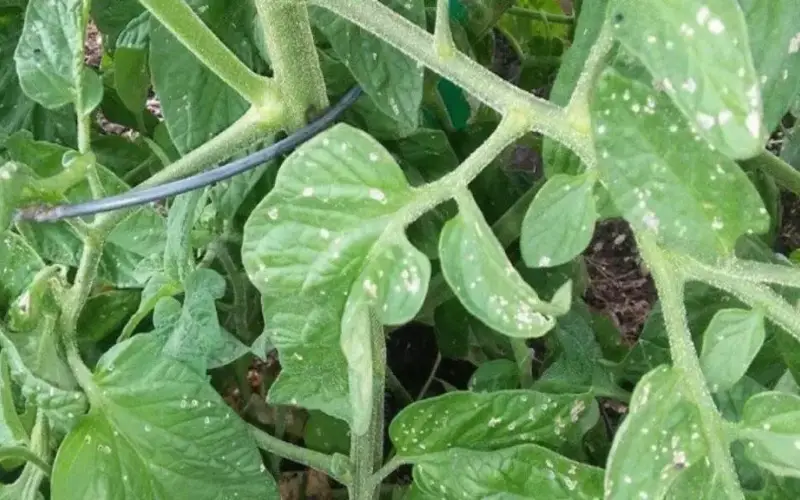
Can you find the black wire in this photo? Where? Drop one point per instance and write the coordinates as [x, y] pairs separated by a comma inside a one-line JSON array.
[[136, 197]]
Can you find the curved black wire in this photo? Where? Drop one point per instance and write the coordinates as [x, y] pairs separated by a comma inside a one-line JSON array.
[[136, 197]]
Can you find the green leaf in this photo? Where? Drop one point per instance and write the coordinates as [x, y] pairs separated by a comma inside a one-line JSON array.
[[158, 286], [392, 80], [131, 77], [488, 421], [44, 377], [659, 443], [178, 252], [526, 471], [559, 159], [577, 366], [293, 255], [192, 334], [135, 34], [477, 269], [495, 375], [105, 312], [700, 54], [730, 343], [114, 16], [559, 224], [11, 183], [157, 429], [770, 428], [49, 56], [19, 263], [195, 102], [701, 207], [305, 331], [12, 430], [326, 434], [776, 53]]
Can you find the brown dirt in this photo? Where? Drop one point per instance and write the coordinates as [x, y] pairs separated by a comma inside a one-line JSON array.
[[619, 286]]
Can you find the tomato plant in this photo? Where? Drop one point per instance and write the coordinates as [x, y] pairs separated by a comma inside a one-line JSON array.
[[201, 345]]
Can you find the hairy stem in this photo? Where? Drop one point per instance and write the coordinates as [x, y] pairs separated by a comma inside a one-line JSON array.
[[743, 288], [32, 475], [394, 29], [366, 450], [540, 15], [442, 36], [523, 356], [786, 175], [670, 285], [293, 57], [179, 18], [309, 458], [246, 131], [578, 107]]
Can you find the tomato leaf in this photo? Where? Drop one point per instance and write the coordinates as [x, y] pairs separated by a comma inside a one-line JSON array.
[[663, 425], [775, 46], [476, 267], [293, 255], [689, 206], [495, 375], [196, 103], [730, 343], [49, 57], [192, 333], [391, 79], [700, 54], [487, 421], [157, 429], [559, 224], [525, 471], [770, 428], [559, 159]]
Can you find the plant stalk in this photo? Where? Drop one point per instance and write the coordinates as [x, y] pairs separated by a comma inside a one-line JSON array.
[[366, 450], [247, 130], [442, 35], [293, 57], [544, 117], [786, 175], [670, 285], [540, 15], [309, 458], [179, 18]]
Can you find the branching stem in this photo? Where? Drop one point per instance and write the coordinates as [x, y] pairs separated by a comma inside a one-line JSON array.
[[670, 285]]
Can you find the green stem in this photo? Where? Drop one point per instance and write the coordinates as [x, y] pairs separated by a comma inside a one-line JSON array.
[[540, 15], [238, 287], [366, 450], [397, 388], [32, 475], [293, 57], [442, 36], [760, 272], [385, 471], [309, 458], [179, 18], [578, 107], [786, 175], [431, 376], [670, 285], [394, 29], [524, 359], [246, 131], [755, 295]]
